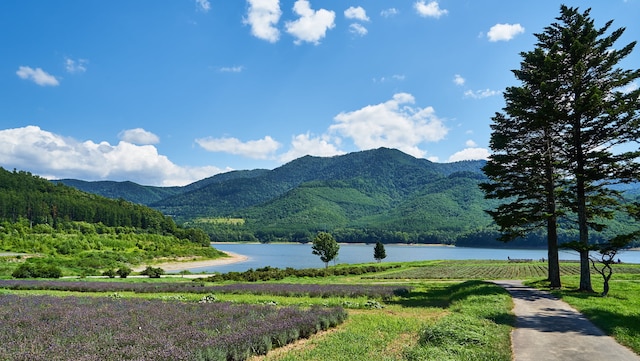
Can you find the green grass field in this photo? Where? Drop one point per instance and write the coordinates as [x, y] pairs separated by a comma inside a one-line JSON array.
[[450, 313]]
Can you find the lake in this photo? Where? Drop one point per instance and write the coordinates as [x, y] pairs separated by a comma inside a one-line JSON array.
[[300, 256]]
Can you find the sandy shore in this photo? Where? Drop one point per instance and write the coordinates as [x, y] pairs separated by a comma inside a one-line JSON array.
[[181, 265]]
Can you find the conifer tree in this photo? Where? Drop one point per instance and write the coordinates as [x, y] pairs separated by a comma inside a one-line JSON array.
[[561, 144], [379, 253]]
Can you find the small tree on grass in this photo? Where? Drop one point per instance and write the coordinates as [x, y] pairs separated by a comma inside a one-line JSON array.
[[325, 246], [607, 254], [379, 252]]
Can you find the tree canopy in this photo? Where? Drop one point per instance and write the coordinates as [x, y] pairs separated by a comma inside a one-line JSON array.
[[325, 246]]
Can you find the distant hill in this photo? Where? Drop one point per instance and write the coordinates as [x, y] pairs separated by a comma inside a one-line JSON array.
[[130, 191]]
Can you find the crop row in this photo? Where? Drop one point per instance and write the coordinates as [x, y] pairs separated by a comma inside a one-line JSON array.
[[86, 328], [502, 271], [273, 273], [276, 289]]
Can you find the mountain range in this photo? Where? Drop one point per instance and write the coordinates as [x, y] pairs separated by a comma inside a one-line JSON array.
[[381, 194]]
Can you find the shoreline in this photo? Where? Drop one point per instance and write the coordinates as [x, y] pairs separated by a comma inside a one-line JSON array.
[[185, 265]]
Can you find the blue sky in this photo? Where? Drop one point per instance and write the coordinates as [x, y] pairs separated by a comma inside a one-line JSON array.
[[170, 92]]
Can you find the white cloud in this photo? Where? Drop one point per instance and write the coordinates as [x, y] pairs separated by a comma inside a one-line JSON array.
[[470, 154], [458, 79], [75, 66], [480, 94], [256, 149], [394, 124], [262, 16], [312, 25], [356, 13], [470, 143], [431, 9], [138, 136], [203, 5], [358, 29], [304, 144], [504, 32], [383, 79], [53, 156], [389, 12], [37, 75], [232, 69]]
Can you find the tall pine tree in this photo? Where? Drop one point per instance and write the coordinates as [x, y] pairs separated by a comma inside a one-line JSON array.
[[566, 127]]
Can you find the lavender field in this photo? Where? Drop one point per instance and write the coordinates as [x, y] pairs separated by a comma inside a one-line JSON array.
[[276, 289], [100, 328]]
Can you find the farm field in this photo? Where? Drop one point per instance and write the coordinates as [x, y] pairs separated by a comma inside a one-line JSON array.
[[431, 310]]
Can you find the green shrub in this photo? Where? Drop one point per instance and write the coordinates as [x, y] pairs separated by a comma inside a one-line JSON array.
[[124, 271], [152, 272], [33, 270], [109, 273]]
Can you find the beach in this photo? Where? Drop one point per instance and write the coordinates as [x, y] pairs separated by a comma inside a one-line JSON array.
[[182, 265]]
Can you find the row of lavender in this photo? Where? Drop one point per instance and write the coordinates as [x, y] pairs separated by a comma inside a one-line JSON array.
[[88, 328], [276, 289]]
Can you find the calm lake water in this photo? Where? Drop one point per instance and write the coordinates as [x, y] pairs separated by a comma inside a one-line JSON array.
[[300, 256]]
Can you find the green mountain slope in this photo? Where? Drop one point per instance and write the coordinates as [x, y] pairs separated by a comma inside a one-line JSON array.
[[390, 171], [375, 195]]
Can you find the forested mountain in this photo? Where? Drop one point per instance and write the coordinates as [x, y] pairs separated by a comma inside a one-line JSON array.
[[24, 197], [382, 194]]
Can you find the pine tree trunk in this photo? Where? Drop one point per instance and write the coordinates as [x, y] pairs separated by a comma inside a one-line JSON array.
[[553, 261], [552, 222], [585, 269]]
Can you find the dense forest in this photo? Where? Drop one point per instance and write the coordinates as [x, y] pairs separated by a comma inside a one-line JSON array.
[[376, 195], [83, 232]]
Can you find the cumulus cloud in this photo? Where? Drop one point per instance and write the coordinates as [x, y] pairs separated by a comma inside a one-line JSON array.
[[480, 94], [395, 123], [389, 12], [312, 25], [504, 32], [75, 66], [356, 13], [256, 149], [38, 76], [458, 79], [470, 154], [305, 144], [431, 10], [262, 16], [470, 143], [203, 5], [358, 29], [54, 156], [138, 136]]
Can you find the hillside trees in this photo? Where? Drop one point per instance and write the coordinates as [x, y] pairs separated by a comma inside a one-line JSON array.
[[567, 125]]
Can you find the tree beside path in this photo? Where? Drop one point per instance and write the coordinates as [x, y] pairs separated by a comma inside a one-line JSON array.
[[563, 138]]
